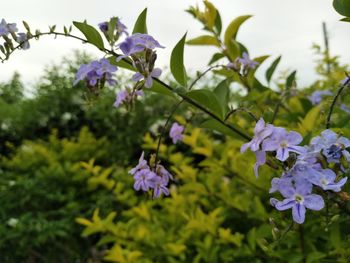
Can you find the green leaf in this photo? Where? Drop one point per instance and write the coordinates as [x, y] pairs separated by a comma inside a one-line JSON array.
[[272, 69], [345, 19], [218, 23], [222, 92], [208, 99], [216, 57], [111, 27], [140, 24], [215, 125], [233, 49], [177, 62], [210, 14], [310, 120], [290, 79], [342, 7], [204, 40], [90, 33], [160, 89], [233, 27], [122, 63]]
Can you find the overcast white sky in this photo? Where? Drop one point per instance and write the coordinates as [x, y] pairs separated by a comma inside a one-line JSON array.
[[286, 27]]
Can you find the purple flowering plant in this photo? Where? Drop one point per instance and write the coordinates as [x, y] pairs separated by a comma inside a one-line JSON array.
[[307, 172]]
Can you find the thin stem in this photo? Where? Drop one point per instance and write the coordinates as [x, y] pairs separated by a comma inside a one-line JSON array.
[[241, 109], [328, 124], [177, 105], [202, 74]]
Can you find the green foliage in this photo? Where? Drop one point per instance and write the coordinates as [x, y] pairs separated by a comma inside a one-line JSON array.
[[91, 34], [177, 62], [342, 7], [140, 24]]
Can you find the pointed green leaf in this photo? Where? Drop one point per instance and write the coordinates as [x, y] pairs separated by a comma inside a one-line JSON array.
[[216, 57], [290, 79], [233, 27], [210, 14], [233, 49], [272, 69], [177, 62], [204, 40], [90, 33], [122, 63], [222, 91], [111, 27], [218, 23], [208, 99], [345, 19], [140, 24]]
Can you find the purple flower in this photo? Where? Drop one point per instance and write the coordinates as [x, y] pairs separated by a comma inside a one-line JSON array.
[[176, 131], [120, 28], [159, 186], [316, 96], [283, 142], [96, 71], [148, 79], [12, 28], [23, 40], [144, 179], [261, 132], [247, 62], [332, 146], [4, 30], [164, 174], [126, 96], [325, 178], [140, 166], [260, 160], [137, 43], [298, 197], [344, 108]]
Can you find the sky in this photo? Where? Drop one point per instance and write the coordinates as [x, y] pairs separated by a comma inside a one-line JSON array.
[[278, 27]]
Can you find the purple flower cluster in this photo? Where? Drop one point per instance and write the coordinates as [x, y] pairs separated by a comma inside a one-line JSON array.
[[147, 178], [176, 132], [140, 47], [96, 72], [126, 96], [317, 96], [308, 168], [11, 28], [120, 28], [243, 64]]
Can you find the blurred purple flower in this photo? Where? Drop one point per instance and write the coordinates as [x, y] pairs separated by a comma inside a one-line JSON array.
[[316, 96], [3, 28], [247, 62], [140, 166], [344, 108], [120, 28], [126, 96], [176, 132], [23, 40], [148, 79], [144, 179], [345, 80], [137, 43], [325, 178], [159, 186], [95, 71]]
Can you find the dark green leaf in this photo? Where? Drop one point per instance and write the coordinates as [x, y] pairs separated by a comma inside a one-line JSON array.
[[218, 23], [342, 7], [272, 68], [90, 33], [177, 62], [222, 91], [217, 126], [345, 19], [216, 57], [140, 25], [204, 40], [208, 99], [159, 88], [290, 79], [111, 27]]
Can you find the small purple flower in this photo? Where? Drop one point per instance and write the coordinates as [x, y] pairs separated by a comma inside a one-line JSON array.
[[316, 97], [159, 186], [120, 28], [298, 198], [95, 71], [325, 178], [126, 96], [176, 132], [3, 28], [103, 26], [23, 40], [164, 174], [283, 142], [247, 62], [148, 79], [12, 28], [138, 43], [144, 180], [261, 132], [332, 146], [140, 166], [260, 160]]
